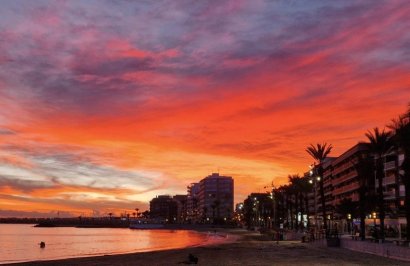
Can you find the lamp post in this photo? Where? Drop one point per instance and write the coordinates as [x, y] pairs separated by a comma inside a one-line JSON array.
[[374, 223], [313, 180], [349, 225]]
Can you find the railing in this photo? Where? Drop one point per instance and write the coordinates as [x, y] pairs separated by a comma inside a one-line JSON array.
[[389, 165], [347, 188], [389, 180], [389, 195], [345, 177]]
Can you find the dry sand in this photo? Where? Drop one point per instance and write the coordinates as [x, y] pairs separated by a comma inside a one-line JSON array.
[[249, 249]]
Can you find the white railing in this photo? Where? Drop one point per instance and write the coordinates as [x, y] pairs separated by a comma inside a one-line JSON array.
[[389, 165]]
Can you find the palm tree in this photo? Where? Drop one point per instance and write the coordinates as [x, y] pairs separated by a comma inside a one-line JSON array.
[[364, 167], [319, 153], [305, 187], [137, 210], [379, 144], [345, 208], [401, 138], [300, 190]]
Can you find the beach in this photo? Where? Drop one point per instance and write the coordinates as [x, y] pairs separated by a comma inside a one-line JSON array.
[[247, 248]]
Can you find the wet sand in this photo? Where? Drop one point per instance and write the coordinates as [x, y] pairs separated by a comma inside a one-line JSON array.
[[249, 248]]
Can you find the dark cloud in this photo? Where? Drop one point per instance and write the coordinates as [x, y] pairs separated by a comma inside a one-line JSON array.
[[22, 184], [6, 131]]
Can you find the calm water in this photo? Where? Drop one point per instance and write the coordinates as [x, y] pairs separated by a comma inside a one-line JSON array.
[[20, 242]]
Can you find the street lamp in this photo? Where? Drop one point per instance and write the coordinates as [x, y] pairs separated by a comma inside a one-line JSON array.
[[349, 218], [313, 181]]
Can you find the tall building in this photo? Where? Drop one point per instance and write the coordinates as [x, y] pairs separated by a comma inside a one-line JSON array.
[[345, 177], [163, 209], [393, 187], [181, 201], [342, 181], [216, 198], [193, 203]]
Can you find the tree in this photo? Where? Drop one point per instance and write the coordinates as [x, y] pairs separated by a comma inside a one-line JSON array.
[[319, 153], [300, 188], [379, 144], [401, 139], [305, 188], [347, 206], [364, 167], [145, 214]]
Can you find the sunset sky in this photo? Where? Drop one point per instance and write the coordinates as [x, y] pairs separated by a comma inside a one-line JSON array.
[[105, 104]]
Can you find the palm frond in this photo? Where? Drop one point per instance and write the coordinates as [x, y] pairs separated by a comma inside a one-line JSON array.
[[320, 151]]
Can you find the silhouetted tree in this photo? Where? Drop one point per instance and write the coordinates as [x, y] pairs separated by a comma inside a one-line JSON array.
[[364, 167], [319, 153], [379, 144]]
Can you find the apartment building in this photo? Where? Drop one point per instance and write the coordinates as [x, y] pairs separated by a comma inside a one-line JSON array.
[[193, 203], [215, 198]]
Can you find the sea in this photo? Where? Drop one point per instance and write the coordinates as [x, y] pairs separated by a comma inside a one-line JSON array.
[[21, 242]]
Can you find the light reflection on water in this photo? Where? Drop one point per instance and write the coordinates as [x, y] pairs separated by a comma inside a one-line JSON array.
[[21, 242]]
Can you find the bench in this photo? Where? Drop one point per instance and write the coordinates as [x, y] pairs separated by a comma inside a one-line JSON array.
[[356, 236]]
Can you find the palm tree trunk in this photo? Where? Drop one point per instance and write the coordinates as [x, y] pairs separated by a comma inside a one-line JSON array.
[[301, 209], [307, 209], [362, 213], [406, 179], [291, 212], [380, 174], [322, 197], [296, 211]]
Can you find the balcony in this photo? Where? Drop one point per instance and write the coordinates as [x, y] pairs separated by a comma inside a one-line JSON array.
[[389, 180], [344, 177], [342, 168], [345, 189], [389, 195], [389, 165]]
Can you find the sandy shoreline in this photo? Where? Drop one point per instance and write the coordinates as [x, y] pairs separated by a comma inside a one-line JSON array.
[[247, 248]]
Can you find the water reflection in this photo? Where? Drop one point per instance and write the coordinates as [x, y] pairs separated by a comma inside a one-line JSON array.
[[21, 242]]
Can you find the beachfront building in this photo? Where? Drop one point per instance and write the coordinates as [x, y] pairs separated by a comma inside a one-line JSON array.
[[163, 208], [215, 198], [193, 203], [181, 201], [394, 192], [315, 207], [343, 177]]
